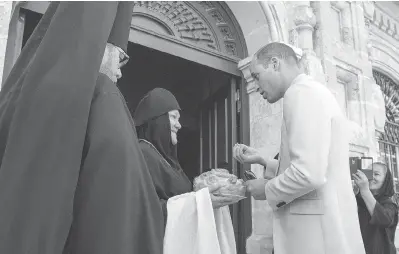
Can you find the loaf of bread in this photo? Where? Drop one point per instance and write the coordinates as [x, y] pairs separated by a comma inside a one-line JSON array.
[[231, 185]]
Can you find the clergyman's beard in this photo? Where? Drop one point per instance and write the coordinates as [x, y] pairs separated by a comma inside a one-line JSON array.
[[105, 69], [111, 54]]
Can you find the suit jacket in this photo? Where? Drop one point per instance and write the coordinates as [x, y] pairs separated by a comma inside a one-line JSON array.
[[314, 205]]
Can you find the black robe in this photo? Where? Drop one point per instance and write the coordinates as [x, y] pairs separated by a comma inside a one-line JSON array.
[[378, 230], [168, 181], [115, 207], [72, 178]]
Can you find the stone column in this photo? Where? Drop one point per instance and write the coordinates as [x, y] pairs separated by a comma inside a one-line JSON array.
[[301, 36], [5, 16]]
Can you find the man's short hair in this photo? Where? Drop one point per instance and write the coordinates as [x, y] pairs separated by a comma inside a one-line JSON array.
[[275, 49]]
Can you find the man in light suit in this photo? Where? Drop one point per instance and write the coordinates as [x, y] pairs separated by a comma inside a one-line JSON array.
[[311, 195]]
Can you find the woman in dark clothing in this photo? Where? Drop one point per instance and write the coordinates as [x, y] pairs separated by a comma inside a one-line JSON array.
[[378, 214], [157, 121]]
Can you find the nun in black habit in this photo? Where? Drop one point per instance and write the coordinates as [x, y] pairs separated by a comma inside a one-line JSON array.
[[72, 177], [157, 120]]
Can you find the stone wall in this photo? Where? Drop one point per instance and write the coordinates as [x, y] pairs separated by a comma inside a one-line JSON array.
[[5, 15]]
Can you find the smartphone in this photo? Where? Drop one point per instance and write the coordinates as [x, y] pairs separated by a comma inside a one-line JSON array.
[[249, 175], [364, 164]]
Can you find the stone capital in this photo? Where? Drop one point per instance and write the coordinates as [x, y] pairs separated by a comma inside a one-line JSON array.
[[304, 17], [244, 67]]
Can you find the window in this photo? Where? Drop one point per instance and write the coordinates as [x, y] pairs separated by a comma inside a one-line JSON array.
[[389, 149], [389, 140]]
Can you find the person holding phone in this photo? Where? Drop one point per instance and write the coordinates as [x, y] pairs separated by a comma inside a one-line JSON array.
[[378, 213]]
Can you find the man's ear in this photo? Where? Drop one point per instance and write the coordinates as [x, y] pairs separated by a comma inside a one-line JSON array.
[[275, 63]]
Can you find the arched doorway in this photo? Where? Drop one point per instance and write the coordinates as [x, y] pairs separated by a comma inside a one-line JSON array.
[[192, 49]]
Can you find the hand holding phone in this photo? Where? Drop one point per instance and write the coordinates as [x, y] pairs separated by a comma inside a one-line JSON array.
[[364, 164]]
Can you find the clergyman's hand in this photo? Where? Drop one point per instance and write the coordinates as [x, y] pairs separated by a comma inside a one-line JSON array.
[[246, 154], [220, 201], [257, 188]]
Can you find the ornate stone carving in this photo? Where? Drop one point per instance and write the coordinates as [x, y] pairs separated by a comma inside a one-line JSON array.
[[207, 5], [304, 17], [217, 16], [385, 23], [224, 29], [203, 24], [183, 20], [227, 34], [231, 48]]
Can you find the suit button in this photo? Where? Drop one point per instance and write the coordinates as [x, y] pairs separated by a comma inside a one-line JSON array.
[[280, 204]]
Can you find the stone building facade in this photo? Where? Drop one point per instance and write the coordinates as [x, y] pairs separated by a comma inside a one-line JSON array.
[[351, 47]]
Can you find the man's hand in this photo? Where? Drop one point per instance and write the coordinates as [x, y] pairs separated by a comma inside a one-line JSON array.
[[246, 154], [361, 181], [257, 188]]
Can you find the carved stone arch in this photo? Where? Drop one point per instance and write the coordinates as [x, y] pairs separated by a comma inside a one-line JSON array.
[[384, 57], [390, 91], [207, 25]]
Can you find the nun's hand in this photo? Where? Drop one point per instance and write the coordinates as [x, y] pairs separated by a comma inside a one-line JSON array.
[[220, 201], [361, 181], [355, 187]]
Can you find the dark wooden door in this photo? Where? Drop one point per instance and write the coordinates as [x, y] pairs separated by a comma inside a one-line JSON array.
[[221, 126]]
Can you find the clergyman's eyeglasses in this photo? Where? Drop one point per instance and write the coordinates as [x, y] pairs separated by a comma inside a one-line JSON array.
[[123, 58]]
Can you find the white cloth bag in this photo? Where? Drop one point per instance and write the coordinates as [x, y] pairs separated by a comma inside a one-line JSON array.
[[194, 227]]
